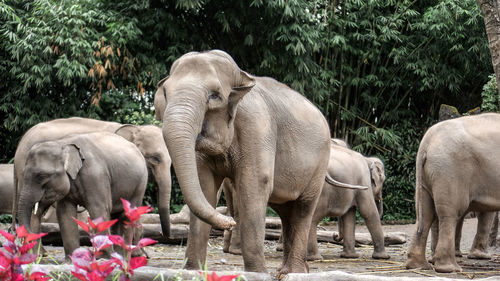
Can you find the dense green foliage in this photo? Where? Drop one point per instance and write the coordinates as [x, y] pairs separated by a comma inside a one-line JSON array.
[[378, 69]]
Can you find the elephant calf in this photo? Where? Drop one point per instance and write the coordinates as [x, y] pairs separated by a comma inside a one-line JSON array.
[[6, 187], [351, 167], [91, 170]]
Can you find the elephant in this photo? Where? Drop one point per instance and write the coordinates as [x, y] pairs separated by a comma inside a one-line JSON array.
[[221, 122], [331, 202], [456, 172], [6, 187], [350, 166], [92, 170], [147, 138]]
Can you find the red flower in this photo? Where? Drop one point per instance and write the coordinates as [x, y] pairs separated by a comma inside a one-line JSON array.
[[38, 276], [95, 226], [23, 233], [215, 277], [137, 262], [134, 214], [8, 236]]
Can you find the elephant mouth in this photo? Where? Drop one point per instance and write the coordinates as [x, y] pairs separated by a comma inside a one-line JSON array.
[[208, 146]]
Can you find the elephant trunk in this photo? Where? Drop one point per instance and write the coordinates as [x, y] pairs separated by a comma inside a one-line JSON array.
[[380, 207], [28, 200], [181, 125], [162, 177]]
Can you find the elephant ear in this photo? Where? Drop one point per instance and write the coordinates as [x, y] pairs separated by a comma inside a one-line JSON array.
[[160, 100], [127, 132], [73, 160], [238, 92]]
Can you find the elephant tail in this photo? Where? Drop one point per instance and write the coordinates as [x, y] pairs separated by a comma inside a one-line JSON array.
[[419, 188], [334, 182]]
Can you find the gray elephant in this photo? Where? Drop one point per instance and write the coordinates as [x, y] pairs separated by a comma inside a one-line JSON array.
[[147, 138], [351, 167], [92, 170], [6, 187], [330, 203], [456, 172], [218, 122]]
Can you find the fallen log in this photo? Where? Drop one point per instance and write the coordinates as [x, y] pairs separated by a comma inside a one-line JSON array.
[[179, 234]]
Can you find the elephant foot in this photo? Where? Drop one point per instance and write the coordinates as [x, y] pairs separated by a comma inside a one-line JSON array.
[[302, 267], [414, 263], [279, 248], [458, 253], [479, 255], [314, 257], [234, 250], [381, 255], [349, 255], [447, 267]]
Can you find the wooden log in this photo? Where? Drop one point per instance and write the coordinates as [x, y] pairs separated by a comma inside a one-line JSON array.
[[179, 234]]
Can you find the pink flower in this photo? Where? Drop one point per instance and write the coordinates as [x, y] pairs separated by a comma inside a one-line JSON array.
[[134, 214]]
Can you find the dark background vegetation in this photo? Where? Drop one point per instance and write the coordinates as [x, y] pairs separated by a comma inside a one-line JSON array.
[[377, 69]]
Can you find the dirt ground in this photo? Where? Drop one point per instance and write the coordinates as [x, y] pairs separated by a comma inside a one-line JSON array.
[[172, 256]]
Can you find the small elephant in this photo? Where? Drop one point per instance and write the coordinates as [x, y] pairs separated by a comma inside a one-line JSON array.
[[147, 138], [221, 122], [351, 167], [6, 187], [92, 170], [456, 172]]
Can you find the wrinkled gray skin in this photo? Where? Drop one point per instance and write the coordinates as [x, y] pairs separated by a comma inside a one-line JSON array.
[[6, 187], [456, 172], [91, 170], [218, 122], [351, 167], [147, 138], [479, 248]]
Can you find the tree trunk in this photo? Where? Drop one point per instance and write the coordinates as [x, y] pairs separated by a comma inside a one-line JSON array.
[[491, 14]]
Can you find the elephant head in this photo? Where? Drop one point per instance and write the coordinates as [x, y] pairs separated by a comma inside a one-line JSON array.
[[149, 140], [50, 167], [197, 104], [377, 174]]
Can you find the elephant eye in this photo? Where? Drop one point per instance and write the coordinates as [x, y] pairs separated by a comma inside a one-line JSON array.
[[41, 177], [155, 158], [214, 95]]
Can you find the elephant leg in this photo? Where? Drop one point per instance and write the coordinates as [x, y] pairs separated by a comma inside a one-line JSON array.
[[348, 230], [69, 229], [444, 257], [492, 241], [434, 238], [235, 242], [283, 211], [295, 233], [232, 239], [199, 231], [416, 251], [279, 247], [252, 215], [368, 211], [479, 249], [312, 241], [458, 236]]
